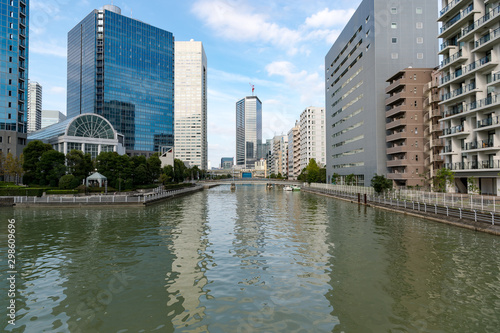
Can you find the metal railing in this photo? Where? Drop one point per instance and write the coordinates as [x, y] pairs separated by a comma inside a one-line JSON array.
[[462, 206], [103, 199]]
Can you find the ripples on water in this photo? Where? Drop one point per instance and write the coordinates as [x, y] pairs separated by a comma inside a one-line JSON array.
[[249, 261]]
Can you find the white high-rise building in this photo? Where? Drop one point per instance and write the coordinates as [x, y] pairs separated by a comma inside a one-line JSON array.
[[190, 116], [280, 155], [34, 106], [312, 136]]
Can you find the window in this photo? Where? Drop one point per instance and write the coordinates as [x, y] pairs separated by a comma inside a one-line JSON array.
[[367, 18], [419, 10], [419, 25], [9, 139], [414, 76], [394, 56], [416, 130], [367, 32], [416, 144], [394, 25], [420, 40], [367, 47], [394, 40], [420, 56], [394, 10], [416, 158]]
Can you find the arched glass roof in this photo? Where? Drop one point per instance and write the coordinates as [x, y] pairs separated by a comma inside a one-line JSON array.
[[88, 125], [91, 126]]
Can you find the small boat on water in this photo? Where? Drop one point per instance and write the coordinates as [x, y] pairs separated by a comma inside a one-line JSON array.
[[233, 187], [295, 188], [269, 186], [287, 188]]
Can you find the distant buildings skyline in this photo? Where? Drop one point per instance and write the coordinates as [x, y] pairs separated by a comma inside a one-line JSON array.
[[51, 117]]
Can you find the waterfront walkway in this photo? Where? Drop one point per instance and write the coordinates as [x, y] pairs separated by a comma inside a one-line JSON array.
[[485, 221], [98, 200]]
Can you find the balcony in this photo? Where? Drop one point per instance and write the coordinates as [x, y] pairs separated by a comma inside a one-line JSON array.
[[460, 92], [480, 145], [397, 163], [394, 85], [488, 123], [396, 150], [449, 10], [396, 123], [484, 43], [395, 110], [447, 45], [445, 30], [396, 136], [397, 175], [457, 109], [482, 64], [437, 158], [474, 165], [488, 19], [454, 130], [435, 128], [395, 97], [454, 58]]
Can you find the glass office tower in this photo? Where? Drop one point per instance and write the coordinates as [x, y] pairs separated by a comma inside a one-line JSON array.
[[14, 75], [123, 69], [248, 130]]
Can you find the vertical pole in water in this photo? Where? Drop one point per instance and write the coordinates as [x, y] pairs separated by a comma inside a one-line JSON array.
[[365, 199], [492, 218], [482, 204], [471, 207], [460, 210], [359, 198]]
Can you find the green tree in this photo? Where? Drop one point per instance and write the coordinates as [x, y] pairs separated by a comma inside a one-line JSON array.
[[350, 179], [381, 184], [312, 171], [322, 176], [141, 175], [335, 178], [79, 164], [168, 172], [179, 171], [51, 167], [153, 164], [443, 178], [32, 155], [68, 182], [115, 167]]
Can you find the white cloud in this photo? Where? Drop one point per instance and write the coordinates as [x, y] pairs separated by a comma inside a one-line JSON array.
[[310, 86], [329, 18], [237, 21], [51, 47]]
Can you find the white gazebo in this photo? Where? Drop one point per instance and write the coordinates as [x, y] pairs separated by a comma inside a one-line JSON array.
[[95, 178]]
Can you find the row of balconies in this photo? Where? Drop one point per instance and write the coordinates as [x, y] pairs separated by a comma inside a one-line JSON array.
[[458, 17], [448, 8], [491, 17], [473, 165], [458, 92], [467, 69]]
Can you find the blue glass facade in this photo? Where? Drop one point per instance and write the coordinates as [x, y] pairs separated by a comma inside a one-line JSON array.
[[123, 69], [13, 65]]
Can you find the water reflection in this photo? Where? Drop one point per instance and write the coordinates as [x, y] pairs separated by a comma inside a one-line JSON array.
[[249, 260]]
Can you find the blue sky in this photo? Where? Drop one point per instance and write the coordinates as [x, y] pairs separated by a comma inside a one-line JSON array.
[[278, 46]]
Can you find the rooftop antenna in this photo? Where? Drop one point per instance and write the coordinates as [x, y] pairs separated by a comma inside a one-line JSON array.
[[253, 87]]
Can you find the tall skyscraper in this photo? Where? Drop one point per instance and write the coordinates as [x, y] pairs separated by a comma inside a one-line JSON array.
[[14, 75], [248, 130], [34, 106], [381, 38], [191, 103], [123, 69]]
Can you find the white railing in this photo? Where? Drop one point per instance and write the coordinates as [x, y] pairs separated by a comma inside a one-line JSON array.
[[103, 199]]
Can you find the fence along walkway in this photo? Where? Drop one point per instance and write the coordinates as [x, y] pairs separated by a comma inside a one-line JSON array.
[[104, 199], [427, 204], [454, 200]]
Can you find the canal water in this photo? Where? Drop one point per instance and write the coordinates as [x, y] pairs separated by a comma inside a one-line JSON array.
[[252, 260]]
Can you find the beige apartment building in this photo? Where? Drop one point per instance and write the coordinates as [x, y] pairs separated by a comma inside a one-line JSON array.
[[405, 127], [469, 80], [294, 169]]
